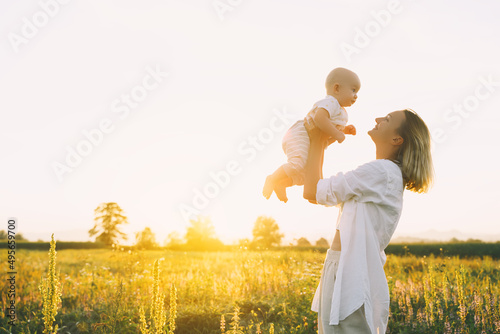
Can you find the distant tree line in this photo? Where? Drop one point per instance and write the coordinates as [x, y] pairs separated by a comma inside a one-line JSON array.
[[200, 234]]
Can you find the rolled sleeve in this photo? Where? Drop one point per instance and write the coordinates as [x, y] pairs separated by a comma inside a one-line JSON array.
[[367, 183], [324, 195]]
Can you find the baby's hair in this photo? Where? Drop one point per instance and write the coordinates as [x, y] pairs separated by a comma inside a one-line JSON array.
[[337, 75]]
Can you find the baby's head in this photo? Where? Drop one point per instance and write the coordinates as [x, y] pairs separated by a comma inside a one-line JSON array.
[[343, 85]]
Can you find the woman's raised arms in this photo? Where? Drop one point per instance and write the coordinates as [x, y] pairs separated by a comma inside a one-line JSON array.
[[314, 165]]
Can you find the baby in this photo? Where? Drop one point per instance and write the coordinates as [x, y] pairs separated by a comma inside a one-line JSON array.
[[329, 116]]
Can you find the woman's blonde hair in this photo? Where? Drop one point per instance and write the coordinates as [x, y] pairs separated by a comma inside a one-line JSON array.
[[415, 153]]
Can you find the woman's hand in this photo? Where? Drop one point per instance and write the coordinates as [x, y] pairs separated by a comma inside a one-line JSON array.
[[330, 141], [315, 134]]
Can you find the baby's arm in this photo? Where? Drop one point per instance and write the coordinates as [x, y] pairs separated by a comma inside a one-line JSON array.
[[348, 130], [322, 121]]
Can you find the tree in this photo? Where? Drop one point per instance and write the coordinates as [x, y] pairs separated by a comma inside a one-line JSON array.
[[322, 243], [201, 235], [145, 239], [108, 217], [266, 232], [173, 241], [303, 242]]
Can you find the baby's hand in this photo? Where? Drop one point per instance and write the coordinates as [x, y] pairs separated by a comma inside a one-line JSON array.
[[350, 130]]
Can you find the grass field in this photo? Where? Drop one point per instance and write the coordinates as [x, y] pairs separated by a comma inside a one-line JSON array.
[[103, 290]]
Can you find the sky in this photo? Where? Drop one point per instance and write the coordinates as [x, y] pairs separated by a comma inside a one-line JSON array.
[[173, 109]]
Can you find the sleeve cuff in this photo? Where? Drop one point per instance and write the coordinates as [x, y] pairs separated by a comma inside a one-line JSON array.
[[322, 193]]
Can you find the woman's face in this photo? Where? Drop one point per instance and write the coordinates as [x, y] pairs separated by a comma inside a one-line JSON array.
[[386, 129]]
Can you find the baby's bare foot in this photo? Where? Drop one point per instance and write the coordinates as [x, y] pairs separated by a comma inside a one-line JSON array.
[[268, 187], [280, 190]]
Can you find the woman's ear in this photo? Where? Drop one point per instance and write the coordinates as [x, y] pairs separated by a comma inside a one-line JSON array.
[[396, 141]]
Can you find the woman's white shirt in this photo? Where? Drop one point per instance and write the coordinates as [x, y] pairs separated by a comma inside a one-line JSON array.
[[370, 199]]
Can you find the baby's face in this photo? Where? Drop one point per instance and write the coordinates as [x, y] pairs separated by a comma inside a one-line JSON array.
[[348, 91]]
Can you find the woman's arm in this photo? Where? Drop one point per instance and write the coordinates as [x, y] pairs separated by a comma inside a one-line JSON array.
[[314, 165]]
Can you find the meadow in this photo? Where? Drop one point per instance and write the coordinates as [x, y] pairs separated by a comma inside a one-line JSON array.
[[246, 291]]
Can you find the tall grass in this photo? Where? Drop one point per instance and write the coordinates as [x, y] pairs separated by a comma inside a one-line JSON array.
[[444, 295], [50, 291], [244, 292], [158, 317]]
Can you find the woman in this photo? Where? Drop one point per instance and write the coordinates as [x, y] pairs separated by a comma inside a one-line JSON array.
[[353, 295]]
